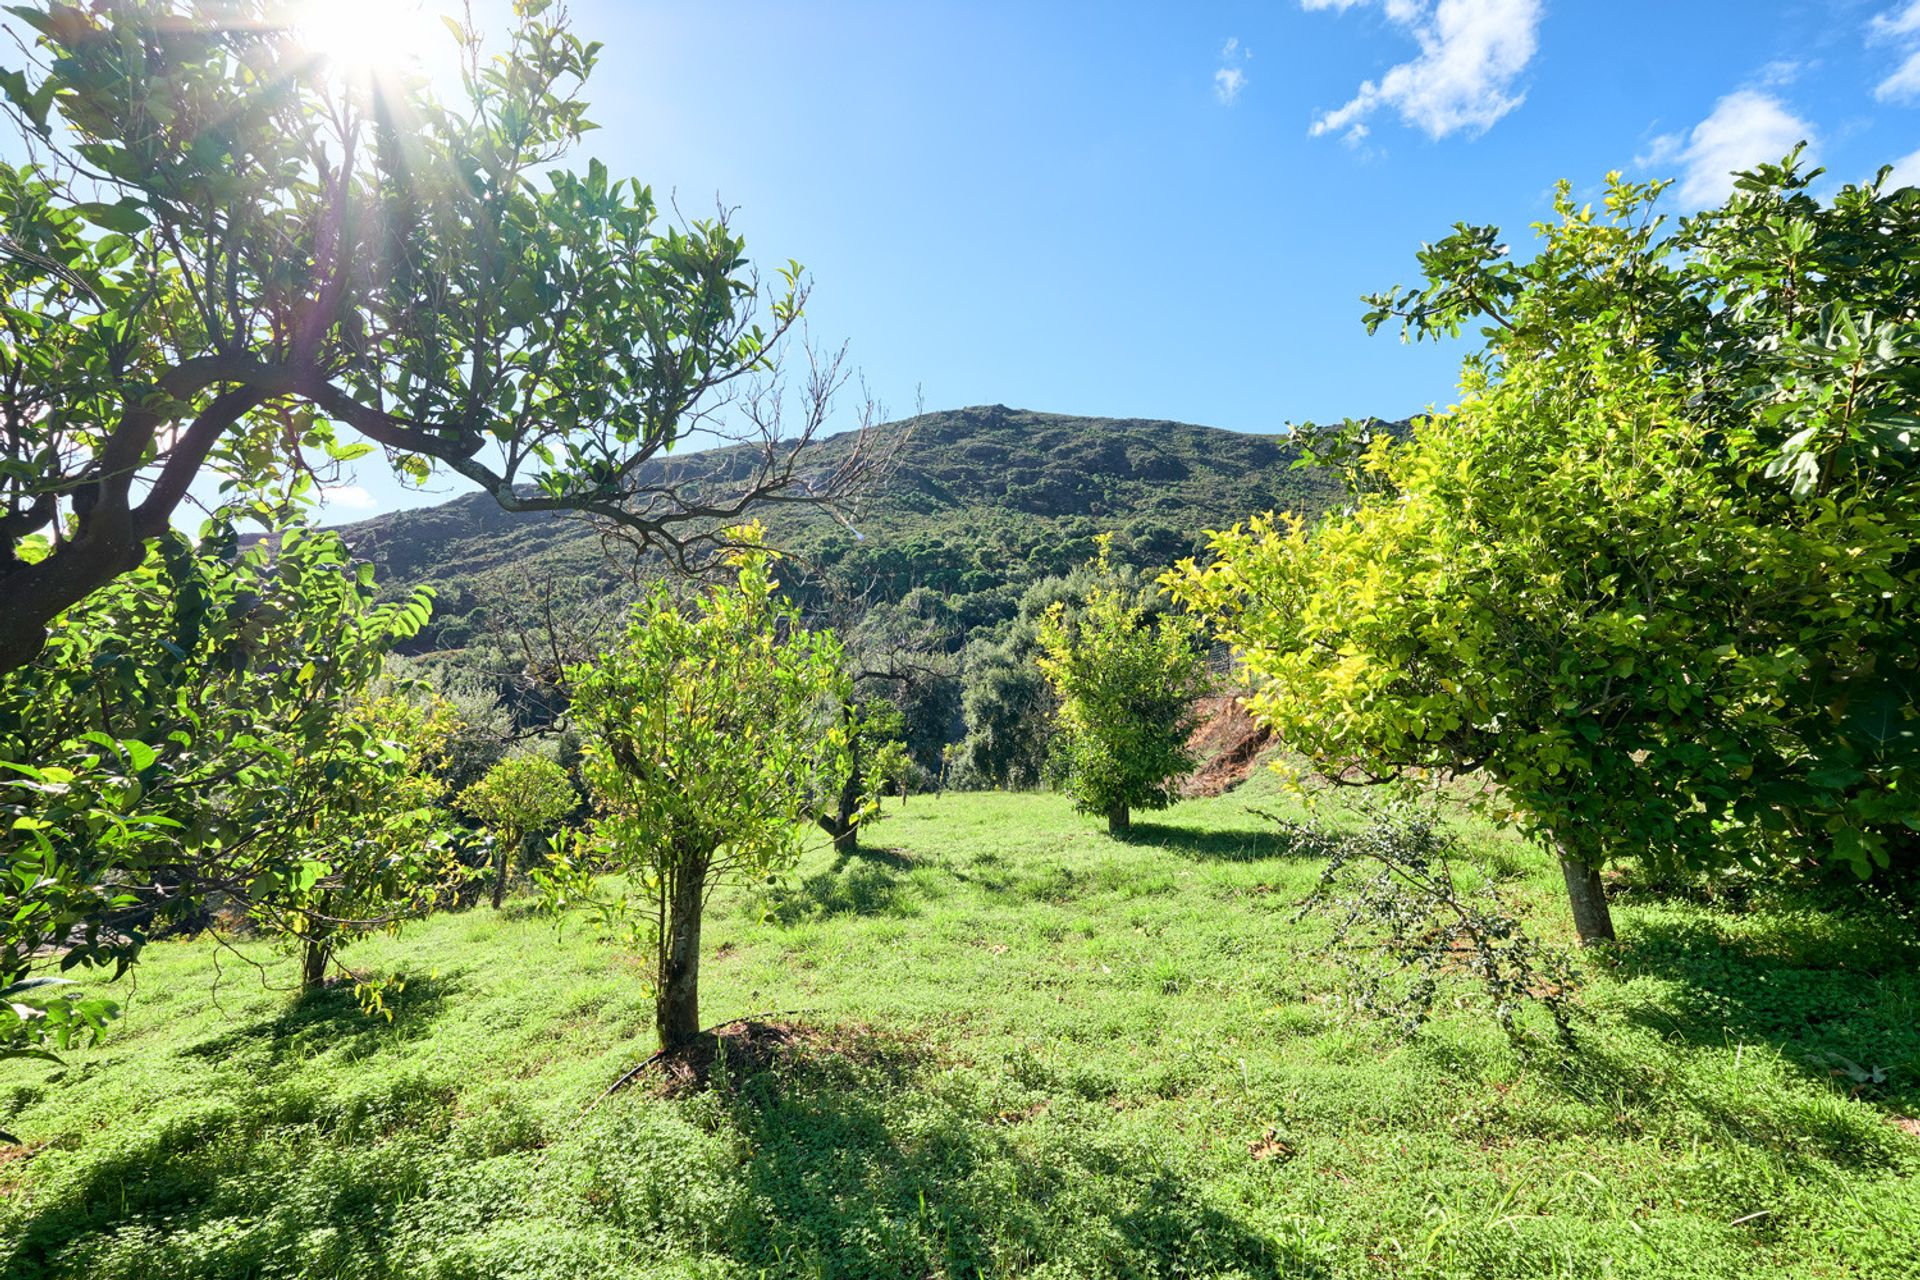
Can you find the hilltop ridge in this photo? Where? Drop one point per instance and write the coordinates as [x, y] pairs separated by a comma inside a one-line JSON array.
[[979, 500]]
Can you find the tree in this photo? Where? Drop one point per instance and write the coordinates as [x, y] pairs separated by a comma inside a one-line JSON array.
[[1008, 709], [519, 796], [710, 728], [227, 257], [1550, 592], [900, 670], [876, 759], [1788, 325], [183, 734], [370, 841], [1590, 580], [1006, 703], [1126, 686]]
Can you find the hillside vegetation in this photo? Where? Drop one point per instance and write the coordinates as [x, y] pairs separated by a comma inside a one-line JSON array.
[[979, 502]]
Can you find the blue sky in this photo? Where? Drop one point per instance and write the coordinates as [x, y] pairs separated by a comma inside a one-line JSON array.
[[1151, 210]]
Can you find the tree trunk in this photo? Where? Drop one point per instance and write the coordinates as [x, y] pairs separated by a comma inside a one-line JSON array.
[[846, 837], [1119, 821], [677, 1010], [502, 863], [1591, 918], [313, 962], [111, 533], [38, 593]]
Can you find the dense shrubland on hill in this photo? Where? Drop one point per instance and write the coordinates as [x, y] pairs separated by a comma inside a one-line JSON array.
[[980, 503]]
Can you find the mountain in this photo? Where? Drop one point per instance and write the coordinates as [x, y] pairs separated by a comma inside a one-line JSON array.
[[979, 502]]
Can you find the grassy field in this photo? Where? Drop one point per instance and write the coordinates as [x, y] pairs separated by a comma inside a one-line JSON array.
[[1028, 1050]]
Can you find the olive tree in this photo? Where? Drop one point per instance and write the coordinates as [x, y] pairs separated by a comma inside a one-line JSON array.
[[1126, 686], [519, 796], [709, 728], [227, 259]]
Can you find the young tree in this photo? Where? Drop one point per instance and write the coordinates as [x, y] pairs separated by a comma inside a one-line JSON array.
[[367, 834], [223, 250], [183, 734], [710, 728], [876, 759], [1006, 703], [1589, 579], [519, 796], [1127, 687]]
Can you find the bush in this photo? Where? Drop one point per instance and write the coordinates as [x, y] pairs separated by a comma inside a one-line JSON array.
[[1126, 687]]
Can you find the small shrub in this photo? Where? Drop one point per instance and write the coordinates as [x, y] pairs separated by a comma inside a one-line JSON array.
[[1403, 923]]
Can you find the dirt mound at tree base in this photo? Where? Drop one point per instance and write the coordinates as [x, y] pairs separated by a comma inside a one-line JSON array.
[[1228, 744], [740, 1048], [749, 1047]]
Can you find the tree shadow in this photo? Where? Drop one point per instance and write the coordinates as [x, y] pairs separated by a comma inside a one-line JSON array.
[[170, 1179], [869, 882], [331, 1019], [1625, 1082], [1840, 1000], [875, 855], [1235, 844], [859, 1165], [167, 1184]]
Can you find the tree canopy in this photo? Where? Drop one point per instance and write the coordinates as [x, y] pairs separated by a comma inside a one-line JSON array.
[[225, 257], [1656, 572]]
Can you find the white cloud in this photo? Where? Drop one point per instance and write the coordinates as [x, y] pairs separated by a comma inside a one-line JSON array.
[[1894, 24], [1471, 54], [1745, 128], [1906, 171], [1231, 77], [1904, 84], [352, 496], [1901, 26]]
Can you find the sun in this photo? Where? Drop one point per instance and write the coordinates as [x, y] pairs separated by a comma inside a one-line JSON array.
[[364, 36]]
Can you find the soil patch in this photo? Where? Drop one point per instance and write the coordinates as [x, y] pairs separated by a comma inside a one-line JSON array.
[[742, 1048], [749, 1046], [1228, 744]]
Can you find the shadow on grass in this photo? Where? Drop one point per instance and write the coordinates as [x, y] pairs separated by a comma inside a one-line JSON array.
[[866, 883], [869, 855], [236, 1179], [173, 1190], [1239, 844], [331, 1019], [860, 1166], [1842, 1001], [1791, 1128]]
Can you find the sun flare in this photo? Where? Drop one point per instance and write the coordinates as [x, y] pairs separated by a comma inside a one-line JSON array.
[[365, 36]]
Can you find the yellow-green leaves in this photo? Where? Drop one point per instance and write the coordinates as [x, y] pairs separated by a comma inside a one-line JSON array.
[[710, 726], [1126, 686]]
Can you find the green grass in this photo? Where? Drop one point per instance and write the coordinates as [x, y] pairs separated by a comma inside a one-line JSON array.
[[1040, 1053]]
